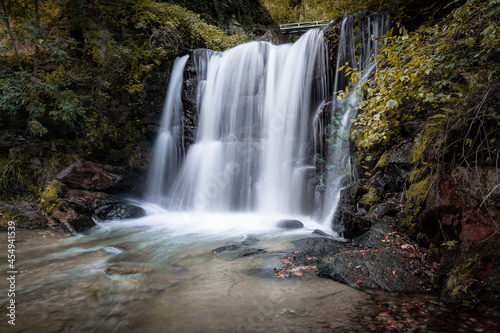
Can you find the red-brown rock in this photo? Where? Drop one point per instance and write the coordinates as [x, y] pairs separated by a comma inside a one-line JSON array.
[[88, 176]]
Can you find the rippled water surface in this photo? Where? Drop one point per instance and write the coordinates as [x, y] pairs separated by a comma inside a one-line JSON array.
[[143, 276]]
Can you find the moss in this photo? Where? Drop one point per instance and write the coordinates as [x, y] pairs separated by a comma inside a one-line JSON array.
[[50, 196], [417, 193], [370, 198], [459, 278], [426, 136], [382, 162]]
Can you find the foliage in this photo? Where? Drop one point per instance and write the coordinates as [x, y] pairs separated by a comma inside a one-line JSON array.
[[16, 177], [50, 196], [441, 72], [286, 11]]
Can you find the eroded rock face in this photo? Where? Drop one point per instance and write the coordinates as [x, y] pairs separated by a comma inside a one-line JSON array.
[[461, 209]]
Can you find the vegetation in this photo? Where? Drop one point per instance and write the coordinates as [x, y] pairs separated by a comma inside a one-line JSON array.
[[442, 83], [76, 70], [410, 11]]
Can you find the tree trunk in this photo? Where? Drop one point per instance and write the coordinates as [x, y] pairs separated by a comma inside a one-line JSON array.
[[6, 12]]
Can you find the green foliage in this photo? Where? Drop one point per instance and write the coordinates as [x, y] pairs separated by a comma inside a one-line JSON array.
[[77, 71], [16, 177], [286, 11], [433, 71], [50, 196]]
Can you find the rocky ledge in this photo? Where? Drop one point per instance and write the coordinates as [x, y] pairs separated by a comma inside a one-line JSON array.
[[80, 195]]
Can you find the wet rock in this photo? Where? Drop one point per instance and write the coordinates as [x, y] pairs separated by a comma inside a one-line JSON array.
[[317, 246], [190, 103], [320, 233], [248, 252], [226, 248], [290, 224], [385, 209], [250, 240], [351, 225], [71, 219], [88, 176], [113, 208]]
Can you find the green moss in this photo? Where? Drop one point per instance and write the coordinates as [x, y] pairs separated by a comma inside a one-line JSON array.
[[382, 162], [417, 193], [370, 198], [459, 277], [50, 196], [426, 136]]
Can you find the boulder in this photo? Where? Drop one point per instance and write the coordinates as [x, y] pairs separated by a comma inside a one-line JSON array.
[[71, 219], [88, 176], [350, 225], [113, 208], [290, 224], [103, 206]]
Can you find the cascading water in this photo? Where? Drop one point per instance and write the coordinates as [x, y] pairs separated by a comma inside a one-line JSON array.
[[358, 47], [168, 147], [258, 125], [252, 141]]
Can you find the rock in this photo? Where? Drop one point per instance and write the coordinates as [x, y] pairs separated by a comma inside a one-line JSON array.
[[226, 248], [71, 219], [31, 220], [88, 176], [351, 225], [248, 252], [190, 103], [457, 203], [317, 246], [113, 208], [250, 240], [104, 206], [290, 224], [320, 233], [385, 209]]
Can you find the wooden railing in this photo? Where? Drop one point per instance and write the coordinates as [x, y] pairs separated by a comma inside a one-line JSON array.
[[295, 28]]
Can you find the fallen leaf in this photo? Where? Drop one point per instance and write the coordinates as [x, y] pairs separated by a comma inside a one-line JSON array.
[[394, 273], [359, 282]]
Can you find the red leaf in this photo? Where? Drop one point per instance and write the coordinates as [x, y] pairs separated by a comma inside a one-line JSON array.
[[359, 282]]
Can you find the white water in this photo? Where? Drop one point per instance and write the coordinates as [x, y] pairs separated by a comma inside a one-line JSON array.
[[252, 162], [358, 47]]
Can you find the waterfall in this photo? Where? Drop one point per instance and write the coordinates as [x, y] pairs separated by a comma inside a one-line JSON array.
[[252, 143], [358, 47], [259, 109], [168, 148]]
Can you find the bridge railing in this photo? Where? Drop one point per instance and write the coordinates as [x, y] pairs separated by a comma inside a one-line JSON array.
[[301, 26]]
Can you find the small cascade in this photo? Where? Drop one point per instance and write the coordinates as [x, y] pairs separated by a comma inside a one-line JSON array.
[[357, 49], [168, 147]]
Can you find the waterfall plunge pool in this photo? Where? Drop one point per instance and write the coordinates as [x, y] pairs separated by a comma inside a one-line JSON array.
[[136, 276]]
